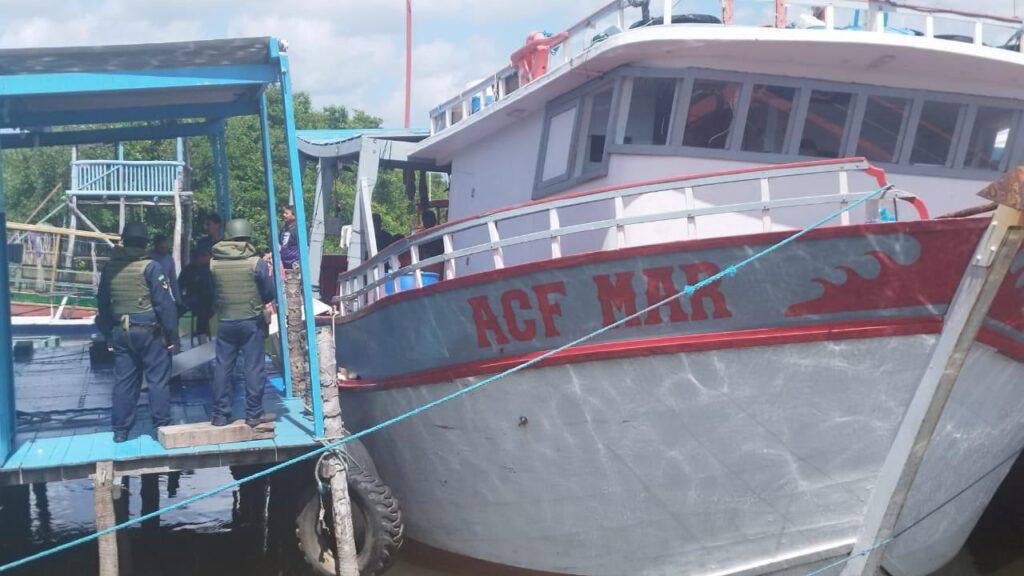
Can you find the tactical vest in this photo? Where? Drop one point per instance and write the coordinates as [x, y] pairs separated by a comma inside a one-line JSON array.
[[234, 279], [129, 293]]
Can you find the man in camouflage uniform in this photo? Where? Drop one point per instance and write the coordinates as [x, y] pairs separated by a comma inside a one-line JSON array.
[[137, 315], [243, 286]]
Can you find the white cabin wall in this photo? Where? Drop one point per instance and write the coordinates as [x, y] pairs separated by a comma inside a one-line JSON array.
[[496, 171]]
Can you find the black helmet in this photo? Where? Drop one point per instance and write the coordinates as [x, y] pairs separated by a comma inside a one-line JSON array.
[[134, 231], [238, 228]]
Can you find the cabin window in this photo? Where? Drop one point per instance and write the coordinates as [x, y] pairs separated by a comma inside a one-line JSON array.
[[933, 141], [883, 128], [752, 117], [712, 112], [556, 154], [990, 137], [768, 118], [600, 105], [825, 124], [650, 111]]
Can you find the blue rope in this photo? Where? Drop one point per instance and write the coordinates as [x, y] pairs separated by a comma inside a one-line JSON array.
[[687, 291]]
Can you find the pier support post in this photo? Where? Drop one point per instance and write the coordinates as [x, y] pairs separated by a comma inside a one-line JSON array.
[[985, 273], [296, 336], [103, 504], [150, 494], [334, 427]]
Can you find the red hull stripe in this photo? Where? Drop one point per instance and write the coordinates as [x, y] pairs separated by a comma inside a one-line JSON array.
[[764, 238], [1003, 343], [873, 328]]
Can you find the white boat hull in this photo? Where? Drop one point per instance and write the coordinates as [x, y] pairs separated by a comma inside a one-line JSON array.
[[721, 462]]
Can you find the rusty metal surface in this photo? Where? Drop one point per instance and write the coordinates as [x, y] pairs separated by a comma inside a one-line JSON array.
[[1008, 190]]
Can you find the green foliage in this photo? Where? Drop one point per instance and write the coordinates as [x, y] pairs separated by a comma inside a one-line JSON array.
[[29, 174]]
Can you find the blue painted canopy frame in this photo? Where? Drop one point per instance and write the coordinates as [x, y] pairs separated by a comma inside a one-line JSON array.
[[167, 91]]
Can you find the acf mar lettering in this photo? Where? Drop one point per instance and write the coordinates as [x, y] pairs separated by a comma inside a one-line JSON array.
[[522, 315]]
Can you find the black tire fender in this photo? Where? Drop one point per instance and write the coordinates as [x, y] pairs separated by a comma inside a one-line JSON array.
[[376, 520]]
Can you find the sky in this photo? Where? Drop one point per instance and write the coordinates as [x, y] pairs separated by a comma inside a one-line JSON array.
[[346, 52]]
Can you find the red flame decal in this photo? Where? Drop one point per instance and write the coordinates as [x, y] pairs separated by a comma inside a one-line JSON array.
[[930, 280]]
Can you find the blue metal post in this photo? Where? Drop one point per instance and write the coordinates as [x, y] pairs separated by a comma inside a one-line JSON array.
[[300, 224], [8, 418], [268, 177]]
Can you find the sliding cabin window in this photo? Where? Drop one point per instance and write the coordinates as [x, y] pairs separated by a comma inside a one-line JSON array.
[[759, 118], [595, 138], [990, 138], [826, 123], [883, 128], [768, 118], [711, 113], [936, 130], [558, 146], [577, 134], [651, 102]]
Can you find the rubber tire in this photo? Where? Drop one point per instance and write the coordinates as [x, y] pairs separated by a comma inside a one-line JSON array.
[[376, 519]]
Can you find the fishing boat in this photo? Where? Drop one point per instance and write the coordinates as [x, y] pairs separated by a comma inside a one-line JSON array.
[[742, 427]]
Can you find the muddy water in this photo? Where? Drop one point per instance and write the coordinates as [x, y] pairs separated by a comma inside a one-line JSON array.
[[228, 534]]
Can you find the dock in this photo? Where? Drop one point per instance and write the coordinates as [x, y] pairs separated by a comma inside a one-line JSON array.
[[54, 405], [64, 424]]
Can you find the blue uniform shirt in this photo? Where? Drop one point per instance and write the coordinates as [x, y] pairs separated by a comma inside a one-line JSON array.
[[265, 281]]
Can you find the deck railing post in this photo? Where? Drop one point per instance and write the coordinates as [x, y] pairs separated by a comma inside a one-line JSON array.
[[449, 263], [300, 225], [766, 212]]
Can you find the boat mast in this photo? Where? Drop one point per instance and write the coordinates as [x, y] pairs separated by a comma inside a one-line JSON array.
[[408, 58]]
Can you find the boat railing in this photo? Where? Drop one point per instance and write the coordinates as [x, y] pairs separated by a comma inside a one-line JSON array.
[[383, 274], [540, 57], [117, 177]]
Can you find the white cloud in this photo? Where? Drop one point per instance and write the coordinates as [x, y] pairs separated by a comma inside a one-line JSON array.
[[348, 52]]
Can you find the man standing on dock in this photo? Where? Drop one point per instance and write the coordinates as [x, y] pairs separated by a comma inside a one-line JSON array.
[[243, 287], [139, 318]]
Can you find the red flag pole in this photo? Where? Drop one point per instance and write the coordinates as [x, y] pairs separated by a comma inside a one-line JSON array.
[[408, 58]]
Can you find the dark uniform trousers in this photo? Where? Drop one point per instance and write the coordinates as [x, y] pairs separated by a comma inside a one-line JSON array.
[[137, 352], [234, 338]]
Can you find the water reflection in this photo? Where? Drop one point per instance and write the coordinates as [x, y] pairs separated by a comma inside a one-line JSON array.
[[231, 533], [245, 531]]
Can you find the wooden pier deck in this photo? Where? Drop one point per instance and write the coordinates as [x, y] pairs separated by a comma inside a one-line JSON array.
[[64, 424]]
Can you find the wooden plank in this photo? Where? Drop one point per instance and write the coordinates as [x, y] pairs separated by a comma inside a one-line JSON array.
[[103, 505], [102, 446], [197, 433], [24, 444], [80, 448], [60, 450], [44, 229]]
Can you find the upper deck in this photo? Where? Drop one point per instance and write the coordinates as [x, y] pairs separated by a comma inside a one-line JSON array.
[[595, 43]]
